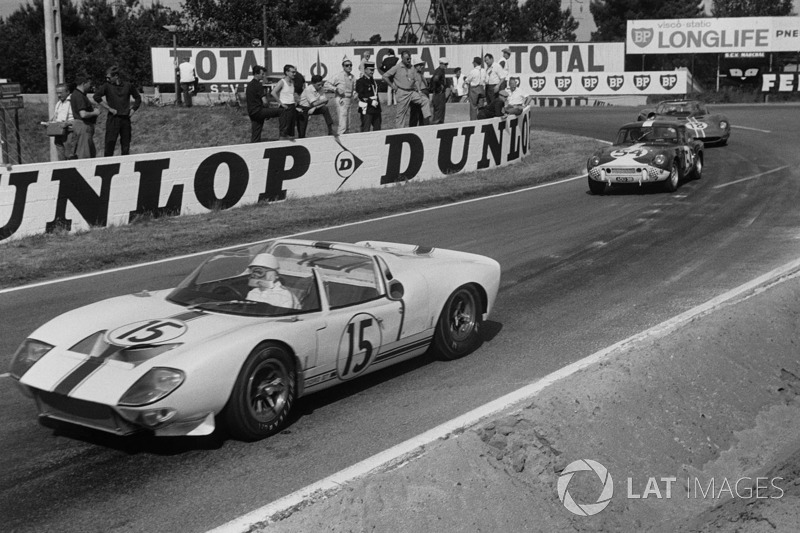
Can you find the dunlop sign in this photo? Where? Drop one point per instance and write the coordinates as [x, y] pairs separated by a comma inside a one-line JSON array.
[[606, 83], [75, 195], [713, 35]]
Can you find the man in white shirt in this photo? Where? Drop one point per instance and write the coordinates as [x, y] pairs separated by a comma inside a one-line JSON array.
[[495, 76], [62, 112], [460, 89], [266, 285], [284, 93], [343, 86], [187, 79], [475, 82], [313, 102], [515, 97]]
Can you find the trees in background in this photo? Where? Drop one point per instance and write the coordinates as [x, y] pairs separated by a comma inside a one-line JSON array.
[[611, 16], [751, 8]]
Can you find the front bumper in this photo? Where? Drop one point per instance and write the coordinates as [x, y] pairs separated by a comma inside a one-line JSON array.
[[639, 174]]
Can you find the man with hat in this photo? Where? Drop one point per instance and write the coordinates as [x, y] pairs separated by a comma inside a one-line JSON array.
[[266, 284], [403, 79], [505, 63], [313, 102], [475, 80], [369, 106], [439, 90], [343, 85], [118, 96], [415, 116]]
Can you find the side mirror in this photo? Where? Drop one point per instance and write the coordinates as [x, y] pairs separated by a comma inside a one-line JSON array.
[[396, 290]]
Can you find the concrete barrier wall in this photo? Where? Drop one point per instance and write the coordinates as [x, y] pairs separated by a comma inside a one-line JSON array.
[[74, 195]]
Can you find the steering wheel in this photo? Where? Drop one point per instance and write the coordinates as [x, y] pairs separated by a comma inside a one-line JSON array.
[[226, 291]]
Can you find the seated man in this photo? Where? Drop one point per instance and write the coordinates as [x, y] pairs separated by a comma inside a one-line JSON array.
[[267, 287], [312, 101], [514, 96]]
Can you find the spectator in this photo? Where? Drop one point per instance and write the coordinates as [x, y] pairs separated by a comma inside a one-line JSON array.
[[343, 85], [118, 96], [62, 113], [403, 79], [439, 91], [492, 109], [288, 98], [459, 86], [495, 76], [389, 61], [369, 106], [257, 108], [475, 81], [85, 117], [313, 102], [505, 63], [515, 98], [415, 117], [187, 77], [365, 57]]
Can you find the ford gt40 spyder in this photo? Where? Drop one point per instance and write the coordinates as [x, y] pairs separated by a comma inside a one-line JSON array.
[[216, 351], [708, 127], [647, 152]]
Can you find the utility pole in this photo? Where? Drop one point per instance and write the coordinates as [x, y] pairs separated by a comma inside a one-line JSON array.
[[54, 50]]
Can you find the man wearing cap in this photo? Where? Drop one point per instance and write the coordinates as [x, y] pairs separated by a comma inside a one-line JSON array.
[[475, 81], [118, 96], [313, 102], [415, 117], [505, 63], [343, 87], [403, 79], [439, 90], [369, 106], [266, 284]]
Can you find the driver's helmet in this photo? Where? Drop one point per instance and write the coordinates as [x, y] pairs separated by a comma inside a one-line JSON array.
[[264, 260]]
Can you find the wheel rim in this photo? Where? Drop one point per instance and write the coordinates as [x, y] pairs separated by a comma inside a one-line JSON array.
[[698, 166], [268, 390], [461, 317], [673, 177]]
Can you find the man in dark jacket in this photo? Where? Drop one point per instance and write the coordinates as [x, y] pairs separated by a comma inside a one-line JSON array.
[[118, 96], [257, 109], [439, 91], [369, 106]]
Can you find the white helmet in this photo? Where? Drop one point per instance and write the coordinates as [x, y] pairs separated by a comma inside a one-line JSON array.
[[265, 261]]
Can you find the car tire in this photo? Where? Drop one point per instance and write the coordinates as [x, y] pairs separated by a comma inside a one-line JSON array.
[[697, 170], [674, 179], [597, 187], [457, 330], [263, 394]]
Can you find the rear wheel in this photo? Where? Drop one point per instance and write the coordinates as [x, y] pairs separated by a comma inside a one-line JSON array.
[[263, 394], [597, 187], [697, 170], [457, 329], [671, 185]]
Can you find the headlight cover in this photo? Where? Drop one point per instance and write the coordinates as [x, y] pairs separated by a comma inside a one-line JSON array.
[[27, 355], [152, 387], [659, 160], [593, 162], [723, 125]]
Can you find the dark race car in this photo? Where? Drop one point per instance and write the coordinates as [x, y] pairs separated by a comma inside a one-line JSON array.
[[708, 127], [653, 151]]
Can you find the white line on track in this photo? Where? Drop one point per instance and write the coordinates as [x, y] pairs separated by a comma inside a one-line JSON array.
[[754, 176], [178, 258], [413, 447], [751, 129]]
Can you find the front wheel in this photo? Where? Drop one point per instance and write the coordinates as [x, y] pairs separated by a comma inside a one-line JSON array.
[[697, 171], [671, 185], [597, 187], [457, 329], [263, 394]]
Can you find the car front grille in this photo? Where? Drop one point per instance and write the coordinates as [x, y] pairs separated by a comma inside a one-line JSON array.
[[81, 412]]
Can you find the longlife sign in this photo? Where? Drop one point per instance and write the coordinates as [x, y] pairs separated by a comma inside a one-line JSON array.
[[607, 83], [75, 195], [713, 35], [228, 69]]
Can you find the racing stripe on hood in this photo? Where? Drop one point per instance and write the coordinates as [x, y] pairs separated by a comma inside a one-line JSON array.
[[189, 315]]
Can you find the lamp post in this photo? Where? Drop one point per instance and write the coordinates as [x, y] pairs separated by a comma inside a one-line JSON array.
[[173, 29]]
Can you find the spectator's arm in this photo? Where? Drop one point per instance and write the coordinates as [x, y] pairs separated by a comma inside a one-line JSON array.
[[137, 99]]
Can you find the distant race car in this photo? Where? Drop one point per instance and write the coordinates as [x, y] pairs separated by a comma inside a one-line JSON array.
[[708, 127], [647, 152], [181, 361]]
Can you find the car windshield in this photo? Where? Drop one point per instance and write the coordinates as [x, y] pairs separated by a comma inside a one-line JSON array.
[[676, 109], [224, 283], [654, 134]]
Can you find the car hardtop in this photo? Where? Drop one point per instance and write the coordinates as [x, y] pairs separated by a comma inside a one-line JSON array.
[[652, 131], [680, 108]]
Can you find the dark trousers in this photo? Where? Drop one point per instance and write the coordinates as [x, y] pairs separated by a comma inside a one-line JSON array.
[[439, 102], [373, 121], [187, 93], [302, 119], [415, 117], [118, 126], [491, 95], [286, 120], [257, 121]]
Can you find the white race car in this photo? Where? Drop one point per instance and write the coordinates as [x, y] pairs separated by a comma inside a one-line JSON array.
[[210, 351]]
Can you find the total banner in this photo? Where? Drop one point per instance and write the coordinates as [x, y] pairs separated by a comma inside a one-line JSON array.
[[228, 69], [713, 35], [609, 83], [76, 195]]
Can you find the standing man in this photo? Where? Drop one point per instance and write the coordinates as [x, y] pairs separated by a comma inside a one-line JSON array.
[[505, 62], [388, 62], [403, 79], [459, 86], [313, 102], [285, 94], [343, 87], [439, 90], [475, 81], [118, 95], [257, 108], [85, 116], [495, 76], [369, 106], [62, 112], [187, 76]]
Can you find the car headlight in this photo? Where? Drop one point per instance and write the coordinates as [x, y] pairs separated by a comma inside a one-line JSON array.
[[27, 355], [153, 386], [659, 160], [723, 125], [593, 162]]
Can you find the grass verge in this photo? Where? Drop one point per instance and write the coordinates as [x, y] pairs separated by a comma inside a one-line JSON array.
[[42, 257]]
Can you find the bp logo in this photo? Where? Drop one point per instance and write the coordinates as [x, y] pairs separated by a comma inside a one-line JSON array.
[[641, 37], [585, 509], [347, 163]]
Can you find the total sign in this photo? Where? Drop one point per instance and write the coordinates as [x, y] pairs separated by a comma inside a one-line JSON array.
[[713, 35]]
